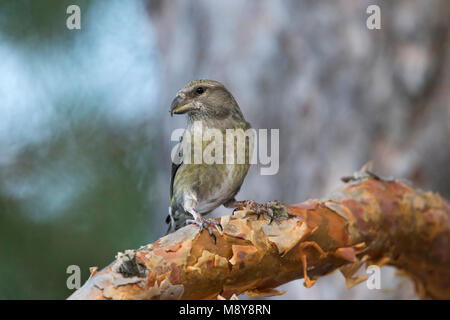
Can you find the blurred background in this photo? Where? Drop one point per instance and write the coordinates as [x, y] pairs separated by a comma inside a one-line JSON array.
[[85, 129]]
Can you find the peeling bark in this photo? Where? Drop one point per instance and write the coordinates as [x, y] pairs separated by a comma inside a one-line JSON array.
[[368, 220]]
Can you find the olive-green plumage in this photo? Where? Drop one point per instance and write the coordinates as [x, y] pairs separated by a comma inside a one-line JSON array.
[[198, 188]]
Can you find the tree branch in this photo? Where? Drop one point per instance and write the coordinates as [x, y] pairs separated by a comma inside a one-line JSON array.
[[368, 220]]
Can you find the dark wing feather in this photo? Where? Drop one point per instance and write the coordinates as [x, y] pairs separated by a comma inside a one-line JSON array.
[[175, 165]]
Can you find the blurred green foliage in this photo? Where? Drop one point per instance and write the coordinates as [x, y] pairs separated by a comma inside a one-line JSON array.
[[77, 190]]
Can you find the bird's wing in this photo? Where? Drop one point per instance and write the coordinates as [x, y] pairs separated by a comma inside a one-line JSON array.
[[176, 163]]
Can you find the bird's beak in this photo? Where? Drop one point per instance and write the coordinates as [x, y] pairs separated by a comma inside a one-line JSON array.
[[180, 106]]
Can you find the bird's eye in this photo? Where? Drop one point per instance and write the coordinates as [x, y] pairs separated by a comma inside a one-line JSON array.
[[200, 90]]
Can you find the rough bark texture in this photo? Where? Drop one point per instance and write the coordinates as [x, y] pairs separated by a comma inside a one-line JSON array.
[[369, 220]]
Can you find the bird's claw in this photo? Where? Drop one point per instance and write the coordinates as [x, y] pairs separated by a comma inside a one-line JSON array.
[[265, 208], [207, 224]]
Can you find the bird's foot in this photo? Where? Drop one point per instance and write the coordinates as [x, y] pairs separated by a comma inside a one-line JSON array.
[[208, 224], [274, 210]]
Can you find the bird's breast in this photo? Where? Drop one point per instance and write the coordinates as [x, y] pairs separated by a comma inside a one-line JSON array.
[[216, 193], [214, 180]]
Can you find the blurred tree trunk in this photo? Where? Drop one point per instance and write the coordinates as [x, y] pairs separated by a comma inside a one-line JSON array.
[[340, 93]]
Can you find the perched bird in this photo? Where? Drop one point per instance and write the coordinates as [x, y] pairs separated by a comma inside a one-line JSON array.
[[198, 188]]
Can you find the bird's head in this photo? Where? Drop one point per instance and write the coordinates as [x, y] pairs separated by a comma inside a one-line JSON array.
[[202, 99]]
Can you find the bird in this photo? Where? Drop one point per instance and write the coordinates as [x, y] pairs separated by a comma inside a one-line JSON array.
[[198, 188]]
